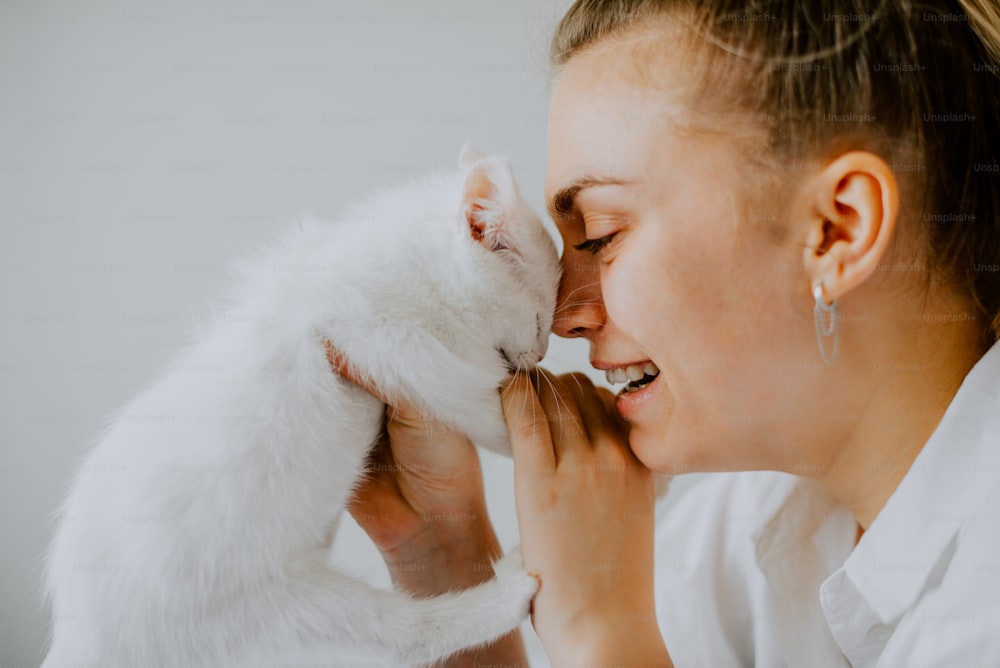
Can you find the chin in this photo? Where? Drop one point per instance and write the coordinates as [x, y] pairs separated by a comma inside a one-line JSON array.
[[666, 449], [650, 447]]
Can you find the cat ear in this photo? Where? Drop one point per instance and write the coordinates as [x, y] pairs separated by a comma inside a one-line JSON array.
[[489, 204], [468, 156]]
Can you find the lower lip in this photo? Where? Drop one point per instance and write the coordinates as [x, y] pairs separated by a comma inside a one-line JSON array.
[[629, 403]]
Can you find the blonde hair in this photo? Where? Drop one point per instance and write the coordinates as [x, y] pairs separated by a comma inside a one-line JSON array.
[[916, 82], [985, 20]]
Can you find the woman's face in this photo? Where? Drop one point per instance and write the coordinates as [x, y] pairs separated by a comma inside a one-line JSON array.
[[699, 275]]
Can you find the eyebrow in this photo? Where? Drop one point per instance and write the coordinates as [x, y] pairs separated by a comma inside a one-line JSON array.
[[564, 201]]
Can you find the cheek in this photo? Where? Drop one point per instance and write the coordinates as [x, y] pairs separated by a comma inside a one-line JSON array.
[[665, 292]]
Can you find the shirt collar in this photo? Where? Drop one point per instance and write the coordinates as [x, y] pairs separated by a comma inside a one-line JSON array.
[[957, 466], [909, 537]]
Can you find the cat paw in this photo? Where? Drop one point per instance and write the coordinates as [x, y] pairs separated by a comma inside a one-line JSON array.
[[473, 616], [518, 586]]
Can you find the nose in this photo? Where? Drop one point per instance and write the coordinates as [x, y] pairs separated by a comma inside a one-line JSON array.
[[579, 305]]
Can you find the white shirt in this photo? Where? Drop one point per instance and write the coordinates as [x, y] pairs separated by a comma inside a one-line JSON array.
[[760, 569]]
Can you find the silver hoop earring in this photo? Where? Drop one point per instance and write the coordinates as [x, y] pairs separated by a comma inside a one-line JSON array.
[[827, 324]]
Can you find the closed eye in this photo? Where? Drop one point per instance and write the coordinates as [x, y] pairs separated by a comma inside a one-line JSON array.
[[593, 246]]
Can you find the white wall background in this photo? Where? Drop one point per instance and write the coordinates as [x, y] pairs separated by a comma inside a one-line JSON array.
[[143, 145]]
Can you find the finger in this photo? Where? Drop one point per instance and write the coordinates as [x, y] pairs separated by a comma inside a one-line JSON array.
[[597, 406], [565, 423], [610, 402], [594, 413], [530, 439], [608, 399], [619, 424], [378, 489]]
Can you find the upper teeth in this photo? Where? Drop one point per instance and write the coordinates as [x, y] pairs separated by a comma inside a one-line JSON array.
[[632, 372]]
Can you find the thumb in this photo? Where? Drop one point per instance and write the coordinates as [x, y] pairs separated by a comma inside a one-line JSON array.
[[530, 438]]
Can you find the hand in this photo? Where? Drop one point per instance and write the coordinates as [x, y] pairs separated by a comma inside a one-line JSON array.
[[585, 512], [424, 508], [423, 499]]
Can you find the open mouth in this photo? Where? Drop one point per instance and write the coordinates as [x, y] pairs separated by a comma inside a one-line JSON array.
[[637, 376]]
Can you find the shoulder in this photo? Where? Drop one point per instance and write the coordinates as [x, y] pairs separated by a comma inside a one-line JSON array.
[[955, 622]]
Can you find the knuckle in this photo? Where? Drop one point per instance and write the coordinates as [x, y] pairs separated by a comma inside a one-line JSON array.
[[551, 380], [532, 426], [578, 379]]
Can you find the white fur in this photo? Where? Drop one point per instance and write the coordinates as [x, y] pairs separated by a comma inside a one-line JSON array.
[[196, 532]]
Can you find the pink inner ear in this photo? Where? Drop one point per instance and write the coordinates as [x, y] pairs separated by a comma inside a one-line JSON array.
[[476, 226], [488, 224], [478, 189], [489, 233]]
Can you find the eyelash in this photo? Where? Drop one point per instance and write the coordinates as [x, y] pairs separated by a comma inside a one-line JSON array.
[[593, 246]]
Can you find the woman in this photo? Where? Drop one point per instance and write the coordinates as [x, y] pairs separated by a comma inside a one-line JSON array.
[[791, 211]]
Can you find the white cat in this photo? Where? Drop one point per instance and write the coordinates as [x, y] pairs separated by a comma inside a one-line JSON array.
[[193, 534]]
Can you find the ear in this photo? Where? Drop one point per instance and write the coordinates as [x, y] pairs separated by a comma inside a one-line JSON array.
[[855, 205], [489, 204], [468, 156]]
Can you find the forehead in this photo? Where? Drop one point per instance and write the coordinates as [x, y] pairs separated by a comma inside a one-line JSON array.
[[606, 119]]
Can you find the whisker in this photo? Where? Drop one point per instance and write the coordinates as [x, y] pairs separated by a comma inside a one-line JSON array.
[[533, 416], [575, 305], [588, 322], [592, 323], [582, 287], [517, 372], [506, 388], [579, 385], [560, 403], [570, 296], [568, 301]]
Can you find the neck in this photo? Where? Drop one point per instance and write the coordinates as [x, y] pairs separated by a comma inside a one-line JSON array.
[[909, 389]]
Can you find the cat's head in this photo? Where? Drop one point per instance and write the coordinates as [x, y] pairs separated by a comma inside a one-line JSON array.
[[507, 269], [456, 282], [515, 259]]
